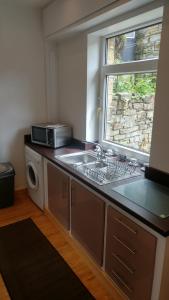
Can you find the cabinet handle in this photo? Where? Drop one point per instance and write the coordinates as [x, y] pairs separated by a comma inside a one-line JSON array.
[[121, 281], [124, 245], [123, 263], [126, 226]]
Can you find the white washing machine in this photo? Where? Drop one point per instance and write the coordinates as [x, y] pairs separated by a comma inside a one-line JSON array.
[[35, 176]]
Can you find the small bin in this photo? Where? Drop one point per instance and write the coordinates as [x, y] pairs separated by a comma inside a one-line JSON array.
[[7, 174]]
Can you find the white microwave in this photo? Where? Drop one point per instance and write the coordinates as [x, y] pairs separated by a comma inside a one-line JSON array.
[[51, 135]]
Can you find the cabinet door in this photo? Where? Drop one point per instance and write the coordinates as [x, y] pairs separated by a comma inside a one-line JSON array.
[[130, 255], [58, 194], [87, 220]]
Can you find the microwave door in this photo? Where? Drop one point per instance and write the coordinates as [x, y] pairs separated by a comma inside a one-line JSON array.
[[39, 135]]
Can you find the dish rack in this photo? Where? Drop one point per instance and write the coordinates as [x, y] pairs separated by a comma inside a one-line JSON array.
[[112, 171]]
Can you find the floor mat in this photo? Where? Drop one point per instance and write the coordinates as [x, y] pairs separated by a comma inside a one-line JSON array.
[[32, 269]]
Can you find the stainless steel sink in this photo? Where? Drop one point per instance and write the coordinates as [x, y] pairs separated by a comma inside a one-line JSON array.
[[102, 172], [77, 158], [97, 164]]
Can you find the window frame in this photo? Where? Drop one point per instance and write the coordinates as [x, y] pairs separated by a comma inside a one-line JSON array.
[[140, 66]]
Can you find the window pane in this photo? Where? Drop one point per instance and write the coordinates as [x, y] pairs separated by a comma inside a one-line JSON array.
[[133, 46], [130, 109]]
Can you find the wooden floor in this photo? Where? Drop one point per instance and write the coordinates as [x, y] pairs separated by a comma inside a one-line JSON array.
[[24, 208]]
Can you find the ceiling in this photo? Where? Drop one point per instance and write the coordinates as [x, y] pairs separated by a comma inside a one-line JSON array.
[[31, 3], [39, 3]]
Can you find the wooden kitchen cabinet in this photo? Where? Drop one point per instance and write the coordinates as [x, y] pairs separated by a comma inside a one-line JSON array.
[[130, 255], [58, 194], [87, 220]]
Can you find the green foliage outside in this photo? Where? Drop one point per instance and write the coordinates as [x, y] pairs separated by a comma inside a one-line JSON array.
[[138, 85]]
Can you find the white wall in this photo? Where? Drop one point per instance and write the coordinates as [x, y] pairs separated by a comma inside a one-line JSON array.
[[93, 87], [159, 157], [22, 81], [62, 13], [51, 74], [72, 65]]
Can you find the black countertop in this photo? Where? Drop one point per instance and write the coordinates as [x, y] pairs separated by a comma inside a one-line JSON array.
[[156, 223]]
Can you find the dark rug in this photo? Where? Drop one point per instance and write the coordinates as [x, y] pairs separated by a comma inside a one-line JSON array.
[[32, 269]]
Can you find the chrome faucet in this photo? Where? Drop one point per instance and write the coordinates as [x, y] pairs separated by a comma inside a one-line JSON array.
[[100, 152]]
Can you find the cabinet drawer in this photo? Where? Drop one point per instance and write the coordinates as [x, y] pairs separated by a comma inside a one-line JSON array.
[[133, 235], [123, 279], [131, 268], [136, 286], [136, 261], [130, 255]]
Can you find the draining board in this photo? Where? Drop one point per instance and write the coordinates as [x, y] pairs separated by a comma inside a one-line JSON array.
[[147, 194]]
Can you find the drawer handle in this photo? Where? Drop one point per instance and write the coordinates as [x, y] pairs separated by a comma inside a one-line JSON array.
[[126, 226], [121, 281], [124, 245], [123, 263]]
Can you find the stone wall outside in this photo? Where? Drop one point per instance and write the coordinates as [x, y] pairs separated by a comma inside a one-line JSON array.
[[148, 42], [129, 120], [147, 45]]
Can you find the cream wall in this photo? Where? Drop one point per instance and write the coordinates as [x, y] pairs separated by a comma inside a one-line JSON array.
[[159, 157], [22, 81], [62, 13], [72, 83]]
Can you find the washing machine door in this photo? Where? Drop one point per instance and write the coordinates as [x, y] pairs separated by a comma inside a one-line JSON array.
[[32, 176]]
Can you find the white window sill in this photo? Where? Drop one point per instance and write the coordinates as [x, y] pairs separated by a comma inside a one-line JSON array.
[[130, 153]]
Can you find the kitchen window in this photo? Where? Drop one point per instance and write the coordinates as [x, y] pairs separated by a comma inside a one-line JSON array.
[[129, 74]]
